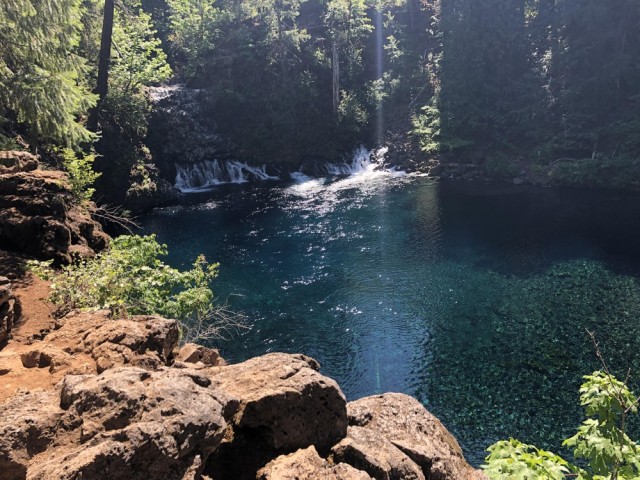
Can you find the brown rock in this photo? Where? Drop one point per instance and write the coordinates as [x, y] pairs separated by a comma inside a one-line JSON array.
[[144, 341], [306, 464], [15, 161], [40, 217], [135, 424], [369, 451], [30, 421], [409, 426], [287, 400], [192, 353]]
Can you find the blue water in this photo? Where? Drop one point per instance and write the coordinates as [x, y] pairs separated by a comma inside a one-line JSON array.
[[474, 299]]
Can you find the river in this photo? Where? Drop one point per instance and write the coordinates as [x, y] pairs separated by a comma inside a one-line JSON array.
[[473, 298]]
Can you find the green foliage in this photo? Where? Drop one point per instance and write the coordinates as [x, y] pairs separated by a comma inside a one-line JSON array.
[[518, 461], [79, 168], [41, 74], [601, 440], [130, 278]]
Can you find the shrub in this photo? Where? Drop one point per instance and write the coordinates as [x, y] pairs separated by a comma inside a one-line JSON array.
[[601, 441], [80, 173], [129, 278]]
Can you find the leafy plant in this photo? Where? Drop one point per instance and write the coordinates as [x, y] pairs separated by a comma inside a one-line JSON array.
[[130, 278], [80, 173], [601, 440]]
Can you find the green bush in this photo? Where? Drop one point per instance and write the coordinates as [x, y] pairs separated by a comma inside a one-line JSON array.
[[601, 441], [80, 173], [129, 278]]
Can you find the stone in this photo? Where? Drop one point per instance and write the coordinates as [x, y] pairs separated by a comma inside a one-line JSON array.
[[144, 341], [279, 403], [285, 398], [306, 464], [192, 353], [30, 421], [40, 217], [367, 450], [10, 310], [404, 422], [136, 424]]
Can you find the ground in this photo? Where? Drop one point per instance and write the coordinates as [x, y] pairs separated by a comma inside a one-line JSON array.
[[37, 320]]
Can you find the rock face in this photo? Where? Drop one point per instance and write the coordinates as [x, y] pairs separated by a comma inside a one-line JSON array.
[[412, 429], [37, 213], [181, 129], [131, 405], [10, 310]]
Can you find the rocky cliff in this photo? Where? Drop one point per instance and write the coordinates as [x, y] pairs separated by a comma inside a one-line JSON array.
[[38, 215], [122, 401]]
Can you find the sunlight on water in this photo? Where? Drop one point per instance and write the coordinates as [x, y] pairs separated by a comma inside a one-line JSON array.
[[473, 299]]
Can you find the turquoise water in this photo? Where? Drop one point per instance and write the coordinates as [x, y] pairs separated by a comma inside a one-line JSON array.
[[474, 299]]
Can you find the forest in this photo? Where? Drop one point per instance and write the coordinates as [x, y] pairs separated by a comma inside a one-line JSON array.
[[549, 89]]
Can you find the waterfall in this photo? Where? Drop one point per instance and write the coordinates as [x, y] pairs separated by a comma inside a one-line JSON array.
[[193, 177], [363, 161]]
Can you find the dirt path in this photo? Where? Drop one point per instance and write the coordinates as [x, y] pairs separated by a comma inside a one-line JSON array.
[[37, 320]]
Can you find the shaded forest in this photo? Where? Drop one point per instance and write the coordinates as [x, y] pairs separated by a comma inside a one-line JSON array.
[[549, 89]]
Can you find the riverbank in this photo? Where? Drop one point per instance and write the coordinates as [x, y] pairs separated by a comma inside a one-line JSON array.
[[87, 395]]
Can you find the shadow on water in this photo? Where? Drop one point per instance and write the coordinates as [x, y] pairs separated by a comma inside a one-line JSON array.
[[474, 298]]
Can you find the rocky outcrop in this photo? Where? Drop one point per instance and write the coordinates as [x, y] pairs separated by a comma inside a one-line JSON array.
[[38, 215], [306, 464], [404, 422], [10, 310], [181, 129], [131, 405]]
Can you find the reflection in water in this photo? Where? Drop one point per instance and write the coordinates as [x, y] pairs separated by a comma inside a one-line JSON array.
[[473, 299]]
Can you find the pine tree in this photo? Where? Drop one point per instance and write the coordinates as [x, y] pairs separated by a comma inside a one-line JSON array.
[[41, 74]]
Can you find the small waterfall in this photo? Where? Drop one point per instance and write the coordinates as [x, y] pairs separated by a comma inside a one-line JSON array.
[[193, 177], [363, 161]]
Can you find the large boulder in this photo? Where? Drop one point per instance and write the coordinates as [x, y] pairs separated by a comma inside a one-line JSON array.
[[144, 341], [134, 424], [369, 451], [306, 464], [16, 161], [404, 422], [39, 216], [279, 403]]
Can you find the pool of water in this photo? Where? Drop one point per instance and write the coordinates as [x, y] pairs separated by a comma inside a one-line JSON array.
[[475, 299]]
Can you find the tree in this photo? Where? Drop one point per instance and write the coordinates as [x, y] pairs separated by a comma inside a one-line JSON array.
[[41, 74]]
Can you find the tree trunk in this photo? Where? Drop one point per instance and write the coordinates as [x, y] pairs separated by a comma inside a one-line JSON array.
[[102, 86], [335, 65]]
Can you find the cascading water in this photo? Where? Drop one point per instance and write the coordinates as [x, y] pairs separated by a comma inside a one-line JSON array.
[[193, 177], [363, 161]]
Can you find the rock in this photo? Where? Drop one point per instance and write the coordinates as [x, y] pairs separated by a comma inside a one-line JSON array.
[[279, 404], [144, 341], [10, 310], [286, 399], [136, 424], [192, 353], [30, 421], [14, 161], [410, 427], [306, 464], [39, 217], [48, 357], [367, 450], [518, 181]]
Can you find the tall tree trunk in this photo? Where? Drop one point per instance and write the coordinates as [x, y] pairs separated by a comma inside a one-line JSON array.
[[335, 65], [104, 59]]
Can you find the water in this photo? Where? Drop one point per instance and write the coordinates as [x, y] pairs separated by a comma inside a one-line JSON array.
[[474, 299]]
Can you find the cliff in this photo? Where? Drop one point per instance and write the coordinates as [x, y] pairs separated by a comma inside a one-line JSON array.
[[94, 397]]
